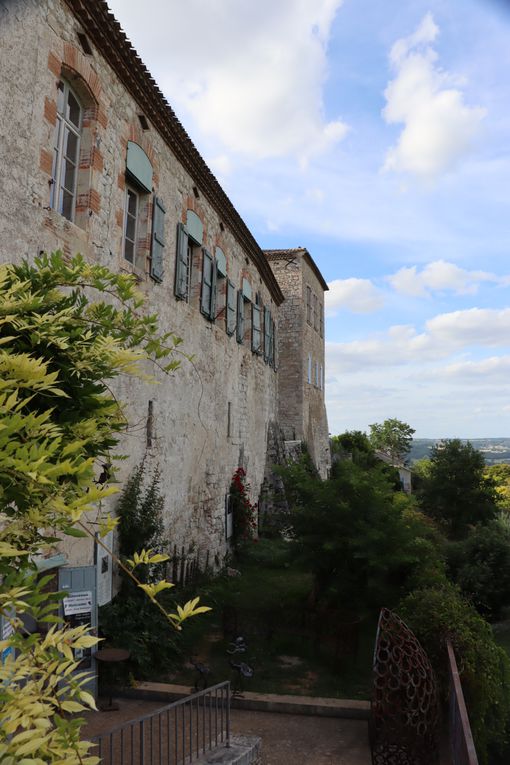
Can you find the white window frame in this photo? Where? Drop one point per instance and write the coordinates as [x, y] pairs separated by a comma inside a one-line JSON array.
[[310, 368], [59, 160]]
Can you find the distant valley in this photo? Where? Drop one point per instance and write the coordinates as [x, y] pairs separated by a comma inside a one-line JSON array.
[[493, 449]]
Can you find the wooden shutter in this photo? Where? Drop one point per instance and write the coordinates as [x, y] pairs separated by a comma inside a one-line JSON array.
[[256, 338], [240, 316], [181, 263], [207, 283], [231, 308], [158, 239], [274, 346], [267, 334]]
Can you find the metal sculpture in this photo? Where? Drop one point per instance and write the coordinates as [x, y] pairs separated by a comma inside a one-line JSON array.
[[405, 708]]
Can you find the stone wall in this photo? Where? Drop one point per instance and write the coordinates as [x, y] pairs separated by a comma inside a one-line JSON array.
[[225, 381]]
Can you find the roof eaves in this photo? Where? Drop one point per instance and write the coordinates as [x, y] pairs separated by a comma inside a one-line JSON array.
[[109, 38]]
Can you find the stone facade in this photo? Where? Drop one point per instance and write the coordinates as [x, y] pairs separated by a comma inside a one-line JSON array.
[[301, 408], [218, 411]]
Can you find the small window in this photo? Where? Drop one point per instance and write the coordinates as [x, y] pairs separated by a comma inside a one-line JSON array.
[[308, 304], [256, 330], [310, 368], [66, 152], [183, 264], [209, 282], [131, 222], [316, 312], [316, 374], [240, 317], [231, 318]]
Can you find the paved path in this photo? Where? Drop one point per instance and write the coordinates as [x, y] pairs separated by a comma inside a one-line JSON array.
[[286, 739]]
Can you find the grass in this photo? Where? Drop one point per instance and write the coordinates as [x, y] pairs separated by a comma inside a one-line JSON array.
[[267, 605]]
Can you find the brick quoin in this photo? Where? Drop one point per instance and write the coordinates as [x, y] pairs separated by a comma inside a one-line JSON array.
[[94, 201], [54, 64], [46, 161], [50, 110]]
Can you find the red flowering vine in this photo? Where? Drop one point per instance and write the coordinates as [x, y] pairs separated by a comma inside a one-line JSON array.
[[244, 511]]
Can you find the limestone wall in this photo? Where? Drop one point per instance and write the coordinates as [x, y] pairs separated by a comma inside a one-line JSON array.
[[39, 44]]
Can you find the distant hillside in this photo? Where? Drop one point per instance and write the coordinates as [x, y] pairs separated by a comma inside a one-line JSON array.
[[493, 449]]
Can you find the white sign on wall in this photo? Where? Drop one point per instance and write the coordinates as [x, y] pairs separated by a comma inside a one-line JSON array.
[[78, 603]]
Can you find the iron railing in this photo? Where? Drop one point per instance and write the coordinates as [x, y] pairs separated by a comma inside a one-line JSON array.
[[174, 735], [462, 746]]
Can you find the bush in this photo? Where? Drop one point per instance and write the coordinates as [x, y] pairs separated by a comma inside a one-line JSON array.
[[436, 614], [480, 565]]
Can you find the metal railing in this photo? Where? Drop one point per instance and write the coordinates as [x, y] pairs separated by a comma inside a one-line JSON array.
[[174, 735], [462, 746]]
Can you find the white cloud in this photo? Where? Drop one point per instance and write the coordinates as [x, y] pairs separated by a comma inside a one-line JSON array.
[[439, 276], [356, 295], [443, 336], [250, 75], [439, 129]]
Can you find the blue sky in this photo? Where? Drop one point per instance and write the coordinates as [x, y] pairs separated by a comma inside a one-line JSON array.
[[376, 135]]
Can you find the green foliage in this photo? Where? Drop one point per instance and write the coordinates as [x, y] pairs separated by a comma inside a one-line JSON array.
[[500, 476], [59, 350], [355, 445], [130, 620], [244, 512], [436, 614], [480, 565], [456, 492], [363, 542], [393, 437]]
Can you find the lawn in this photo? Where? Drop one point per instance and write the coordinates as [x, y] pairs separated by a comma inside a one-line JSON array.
[[268, 605]]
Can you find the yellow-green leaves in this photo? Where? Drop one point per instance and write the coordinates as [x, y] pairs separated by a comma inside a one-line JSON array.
[[147, 557], [191, 608], [153, 589]]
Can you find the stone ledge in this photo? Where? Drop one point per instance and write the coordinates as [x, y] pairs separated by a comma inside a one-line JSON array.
[[260, 702], [243, 750]]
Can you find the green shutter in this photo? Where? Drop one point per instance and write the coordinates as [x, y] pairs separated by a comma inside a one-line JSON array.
[[158, 239], [207, 280], [181, 263], [240, 317], [231, 308], [256, 338], [214, 291], [274, 346]]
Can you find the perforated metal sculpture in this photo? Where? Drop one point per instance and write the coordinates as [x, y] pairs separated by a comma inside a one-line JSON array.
[[405, 709]]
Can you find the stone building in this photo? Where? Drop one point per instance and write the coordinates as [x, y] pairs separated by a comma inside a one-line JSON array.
[[301, 408], [95, 161]]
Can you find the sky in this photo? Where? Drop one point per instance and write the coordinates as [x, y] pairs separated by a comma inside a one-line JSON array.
[[376, 135]]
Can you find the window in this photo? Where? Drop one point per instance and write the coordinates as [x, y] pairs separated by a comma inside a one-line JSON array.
[[231, 318], [316, 374], [315, 312], [209, 281], [240, 317], [308, 304], [158, 239], [321, 320], [183, 263], [66, 152], [310, 368], [131, 214], [256, 328], [321, 378]]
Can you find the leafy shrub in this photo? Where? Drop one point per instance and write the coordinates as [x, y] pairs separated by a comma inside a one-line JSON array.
[[480, 565], [436, 614], [130, 620]]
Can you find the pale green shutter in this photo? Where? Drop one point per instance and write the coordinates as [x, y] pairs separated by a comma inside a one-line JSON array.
[[207, 279], [158, 239], [240, 317], [231, 308], [214, 291], [181, 263], [274, 346], [255, 329]]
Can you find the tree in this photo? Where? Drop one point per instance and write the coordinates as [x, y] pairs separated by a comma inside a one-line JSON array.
[[59, 350], [500, 475], [456, 492], [363, 541], [393, 437]]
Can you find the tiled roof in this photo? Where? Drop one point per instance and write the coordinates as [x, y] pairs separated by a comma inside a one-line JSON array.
[[107, 35]]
